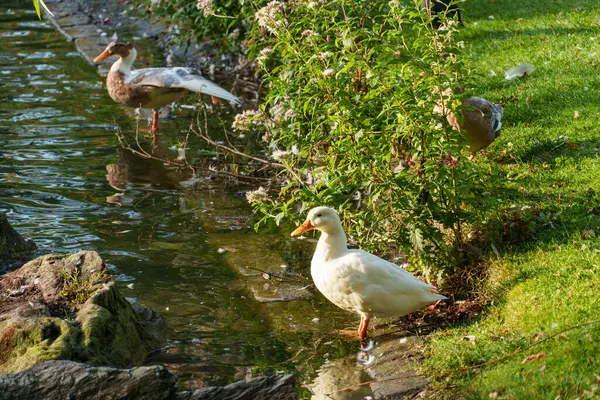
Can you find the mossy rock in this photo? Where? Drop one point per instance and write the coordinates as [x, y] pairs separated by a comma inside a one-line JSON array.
[[26, 342], [67, 307]]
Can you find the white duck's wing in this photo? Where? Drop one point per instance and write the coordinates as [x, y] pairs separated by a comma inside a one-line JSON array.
[[179, 78], [380, 271], [380, 288]]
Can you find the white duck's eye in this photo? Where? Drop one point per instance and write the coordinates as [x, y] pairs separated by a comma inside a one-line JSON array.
[[318, 215]]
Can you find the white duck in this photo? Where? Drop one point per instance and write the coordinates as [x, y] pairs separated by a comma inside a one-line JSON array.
[[358, 281], [153, 87]]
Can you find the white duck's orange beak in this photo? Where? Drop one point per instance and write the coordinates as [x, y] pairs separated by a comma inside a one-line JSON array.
[[103, 56], [305, 227]]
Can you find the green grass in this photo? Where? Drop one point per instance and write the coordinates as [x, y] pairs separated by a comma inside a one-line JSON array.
[[549, 281]]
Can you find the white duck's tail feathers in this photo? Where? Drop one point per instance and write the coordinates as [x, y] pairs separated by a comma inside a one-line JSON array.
[[437, 297], [201, 85], [431, 296]]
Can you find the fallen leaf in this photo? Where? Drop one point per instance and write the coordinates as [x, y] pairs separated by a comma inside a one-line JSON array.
[[558, 184], [470, 338], [589, 233], [572, 145], [576, 114], [537, 336], [597, 378], [494, 395], [534, 357]]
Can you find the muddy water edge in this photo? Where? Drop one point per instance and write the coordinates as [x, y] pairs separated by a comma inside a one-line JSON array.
[[175, 242]]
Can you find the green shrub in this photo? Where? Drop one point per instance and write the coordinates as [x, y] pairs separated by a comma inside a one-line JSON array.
[[222, 22], [352, 88]]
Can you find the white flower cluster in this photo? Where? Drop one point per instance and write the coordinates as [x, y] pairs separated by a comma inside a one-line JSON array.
[[279, 113], [245, 120], [207, 6], [269, 17], [327, 72], [280, 155], [263, 55], [307, 33], [259, 195]]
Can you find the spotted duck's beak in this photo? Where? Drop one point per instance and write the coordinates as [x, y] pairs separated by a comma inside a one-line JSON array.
[[305, 227], [105, 54]]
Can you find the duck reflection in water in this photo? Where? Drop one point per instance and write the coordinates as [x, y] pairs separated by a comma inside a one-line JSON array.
[[131, 171]]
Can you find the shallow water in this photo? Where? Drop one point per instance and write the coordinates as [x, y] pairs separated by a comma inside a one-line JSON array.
[[173, 243]]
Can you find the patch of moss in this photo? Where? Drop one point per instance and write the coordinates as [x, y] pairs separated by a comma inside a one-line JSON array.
[[25, 343]]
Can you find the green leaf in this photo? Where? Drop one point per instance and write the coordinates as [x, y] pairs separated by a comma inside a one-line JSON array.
[[416, 239], [36, 4], [278, 218]]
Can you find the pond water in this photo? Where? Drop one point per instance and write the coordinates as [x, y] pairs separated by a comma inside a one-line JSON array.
[[173, 243]]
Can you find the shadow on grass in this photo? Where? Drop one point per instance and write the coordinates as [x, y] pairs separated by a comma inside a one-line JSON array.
[[507, 33], [513, 9], [548, 150]]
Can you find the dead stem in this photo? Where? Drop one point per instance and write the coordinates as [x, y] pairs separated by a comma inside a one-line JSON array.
[[180, 165], [282, 275], [198, 131]]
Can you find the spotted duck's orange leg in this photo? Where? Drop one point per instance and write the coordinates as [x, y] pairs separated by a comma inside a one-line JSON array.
[[154, 128]]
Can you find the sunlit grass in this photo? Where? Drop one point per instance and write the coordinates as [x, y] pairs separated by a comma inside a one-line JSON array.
[[549, 151]]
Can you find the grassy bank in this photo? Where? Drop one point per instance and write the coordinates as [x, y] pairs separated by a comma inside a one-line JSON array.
[[545, 277]]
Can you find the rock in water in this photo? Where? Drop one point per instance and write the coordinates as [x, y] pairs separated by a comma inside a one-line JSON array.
[[12, 246], [260, 388], [67, 307], [61, 379]]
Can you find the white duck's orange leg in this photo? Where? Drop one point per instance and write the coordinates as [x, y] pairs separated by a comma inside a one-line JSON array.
[[362, 330], [364, 355]]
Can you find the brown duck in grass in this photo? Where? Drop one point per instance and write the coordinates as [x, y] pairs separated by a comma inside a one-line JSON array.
[[153, 88], [481, 122]]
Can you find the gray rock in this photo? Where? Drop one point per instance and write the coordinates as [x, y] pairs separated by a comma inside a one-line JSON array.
[[61, 379], [261, 388], [12, 246]]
